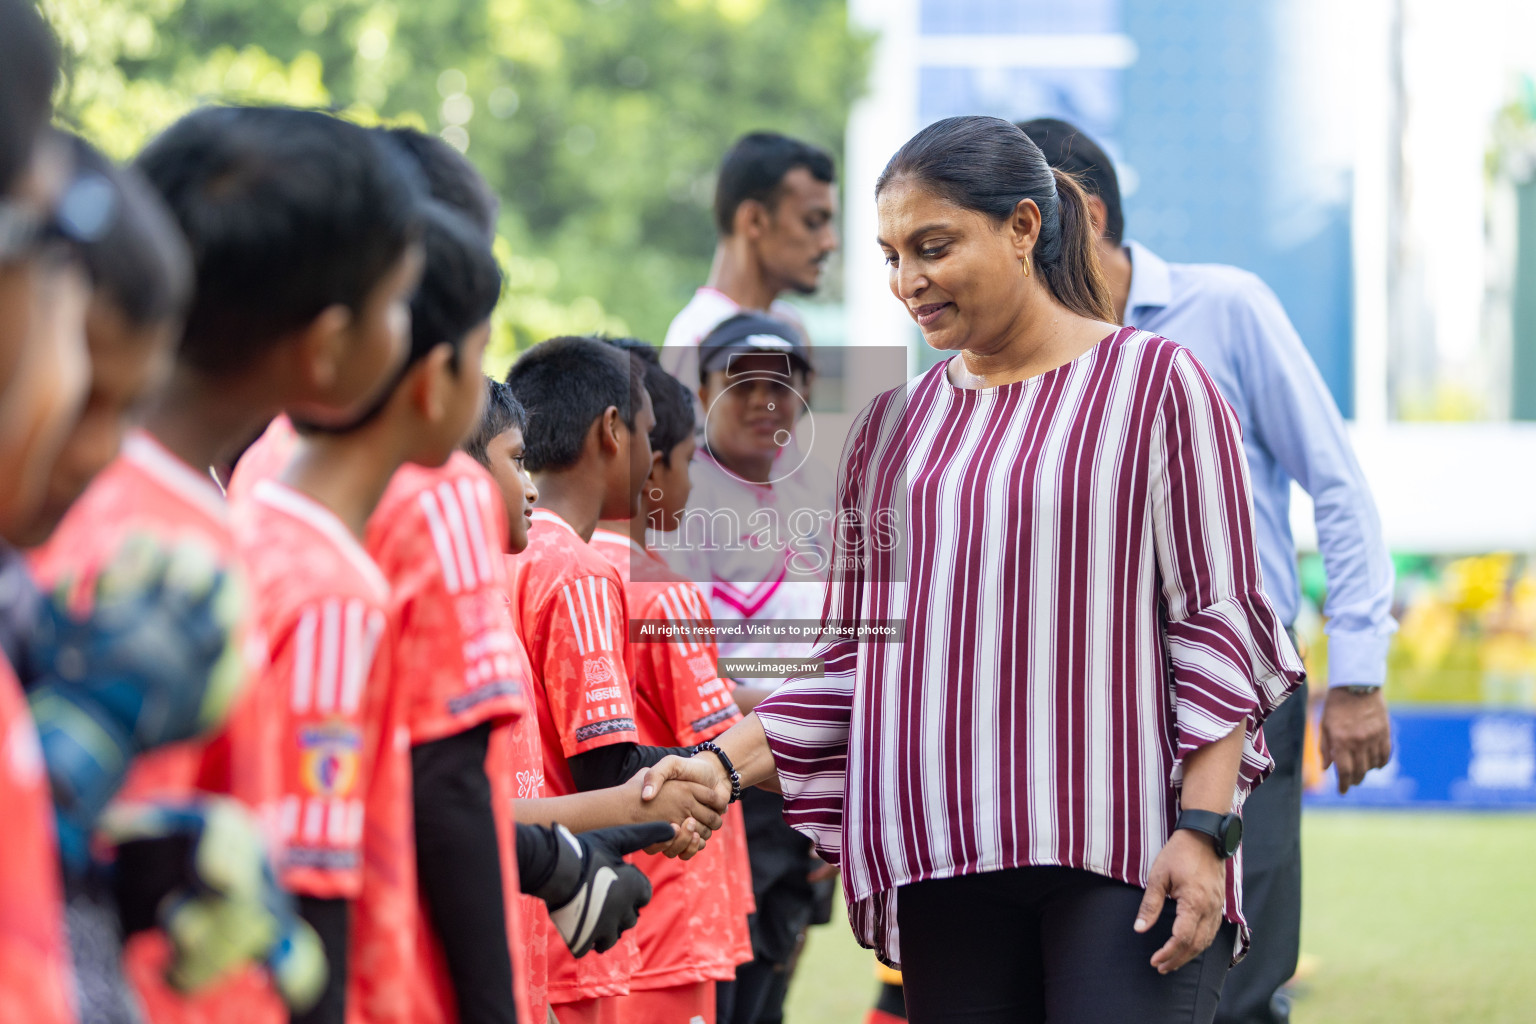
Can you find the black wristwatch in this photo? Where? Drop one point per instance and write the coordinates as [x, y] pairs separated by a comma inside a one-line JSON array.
[[1225, 830]]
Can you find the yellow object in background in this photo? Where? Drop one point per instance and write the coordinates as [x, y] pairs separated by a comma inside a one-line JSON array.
[[1466, 633]]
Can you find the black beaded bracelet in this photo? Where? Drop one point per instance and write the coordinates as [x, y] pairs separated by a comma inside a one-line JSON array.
[[730, 769]]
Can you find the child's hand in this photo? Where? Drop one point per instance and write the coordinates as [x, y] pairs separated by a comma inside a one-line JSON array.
[[687, 806]]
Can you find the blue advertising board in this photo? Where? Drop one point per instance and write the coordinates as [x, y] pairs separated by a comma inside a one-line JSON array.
[[1449, 758]]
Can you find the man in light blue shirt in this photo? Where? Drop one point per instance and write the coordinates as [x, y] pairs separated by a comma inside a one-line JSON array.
[[1292, 430]]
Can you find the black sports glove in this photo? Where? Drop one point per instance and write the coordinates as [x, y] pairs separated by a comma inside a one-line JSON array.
[[592, 895]]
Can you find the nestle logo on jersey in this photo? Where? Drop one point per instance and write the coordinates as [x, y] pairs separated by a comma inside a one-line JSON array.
[[597, 671], [607, 693]]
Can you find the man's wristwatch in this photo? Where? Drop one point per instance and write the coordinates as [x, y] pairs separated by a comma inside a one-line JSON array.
[[1225, 830], [1361, 691]]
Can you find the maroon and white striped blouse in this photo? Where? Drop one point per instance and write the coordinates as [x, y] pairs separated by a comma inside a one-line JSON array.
[[1083, 607]]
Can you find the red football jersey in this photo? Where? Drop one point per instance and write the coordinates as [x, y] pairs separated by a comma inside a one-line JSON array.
[[568, 604], [440, 536], [302, 750], [264, 459], [695, 927], [327, 728], [35, 980], [384, 969], [317, 723]]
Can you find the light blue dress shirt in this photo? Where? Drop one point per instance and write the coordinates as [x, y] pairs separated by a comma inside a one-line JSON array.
[[1292, 430]]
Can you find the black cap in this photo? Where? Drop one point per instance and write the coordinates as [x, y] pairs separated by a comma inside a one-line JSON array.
[[752, 333]]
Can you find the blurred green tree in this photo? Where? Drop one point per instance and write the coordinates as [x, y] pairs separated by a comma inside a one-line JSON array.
[[599, 122]]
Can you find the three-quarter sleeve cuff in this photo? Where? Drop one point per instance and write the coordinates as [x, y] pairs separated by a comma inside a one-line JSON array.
[[1232, 664], [806, 722], [1357, 659]]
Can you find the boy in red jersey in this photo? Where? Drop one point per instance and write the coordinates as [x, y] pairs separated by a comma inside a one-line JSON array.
[[343, 806], [589, 451], [695, 931]]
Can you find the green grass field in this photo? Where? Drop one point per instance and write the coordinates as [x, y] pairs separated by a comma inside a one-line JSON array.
[[1408, 919]]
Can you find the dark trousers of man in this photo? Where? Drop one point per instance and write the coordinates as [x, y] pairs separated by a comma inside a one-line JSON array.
[[787, 904], [1271, 878], [1034, 944]]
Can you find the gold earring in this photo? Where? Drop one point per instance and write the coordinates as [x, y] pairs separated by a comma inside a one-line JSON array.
[[1025, 260]]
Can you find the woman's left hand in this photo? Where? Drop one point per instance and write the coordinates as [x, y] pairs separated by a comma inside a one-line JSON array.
[[1187, 870]]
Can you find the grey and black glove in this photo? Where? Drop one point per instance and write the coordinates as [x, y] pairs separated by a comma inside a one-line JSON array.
[[592, 895]]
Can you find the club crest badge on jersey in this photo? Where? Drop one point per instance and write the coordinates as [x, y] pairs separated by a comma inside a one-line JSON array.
[[328, 762], [597, 671]]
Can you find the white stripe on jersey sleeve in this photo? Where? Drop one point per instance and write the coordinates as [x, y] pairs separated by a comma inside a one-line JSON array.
[[362, 645], [351, 653], [330, 656], [440, 541], [586, 613], [314, 818], [304, 662], [605, 624], [669, 606], [338, 822], [581, 646], [455, 518]]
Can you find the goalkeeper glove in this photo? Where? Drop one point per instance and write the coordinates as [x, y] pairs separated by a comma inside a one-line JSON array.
[[155, 661], [592, 895], [201, 870]]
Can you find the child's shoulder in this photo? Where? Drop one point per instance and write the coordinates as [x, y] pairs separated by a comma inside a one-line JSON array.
[[459, 481], [144, 491], [299, 554], [450, 512], [556, 554]]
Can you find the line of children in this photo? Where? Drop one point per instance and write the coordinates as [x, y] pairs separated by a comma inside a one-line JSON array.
[[422, 716], [303, 236], [150, 659]]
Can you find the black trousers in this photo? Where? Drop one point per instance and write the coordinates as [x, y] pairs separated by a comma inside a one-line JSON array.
[[1271, 877], [1040, 944]]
